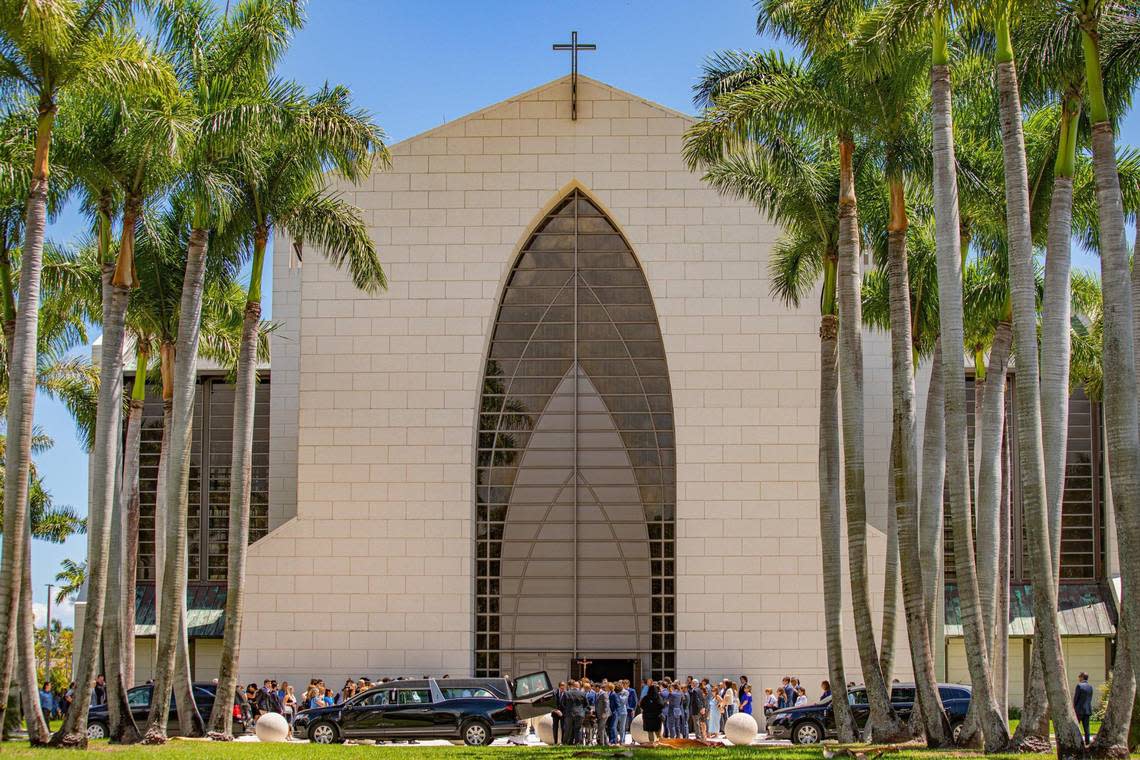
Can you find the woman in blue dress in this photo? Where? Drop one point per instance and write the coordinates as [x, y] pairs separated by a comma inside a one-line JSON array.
[[746, 699], [714, 710]]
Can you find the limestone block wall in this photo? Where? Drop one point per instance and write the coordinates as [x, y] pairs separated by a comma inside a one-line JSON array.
[[373, 575]]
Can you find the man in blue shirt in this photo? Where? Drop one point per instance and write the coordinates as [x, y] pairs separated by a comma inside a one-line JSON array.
[[47, 701]]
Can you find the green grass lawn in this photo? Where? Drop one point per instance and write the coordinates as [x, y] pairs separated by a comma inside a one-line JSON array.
[[205, 750]]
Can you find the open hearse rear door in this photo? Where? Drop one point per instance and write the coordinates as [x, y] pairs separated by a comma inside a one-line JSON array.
[[534, 695]]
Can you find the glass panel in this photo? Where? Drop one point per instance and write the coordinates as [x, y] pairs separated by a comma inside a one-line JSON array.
[[575, 444], [413, 696], [208, 519]]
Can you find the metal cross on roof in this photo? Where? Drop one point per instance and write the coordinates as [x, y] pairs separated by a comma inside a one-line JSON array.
[[574, 47]]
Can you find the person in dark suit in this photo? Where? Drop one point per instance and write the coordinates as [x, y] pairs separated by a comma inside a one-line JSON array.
[[558, 715], [576, 711], [1083, 703]]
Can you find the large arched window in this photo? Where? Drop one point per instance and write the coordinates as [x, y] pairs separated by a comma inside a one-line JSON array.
[[576, 467]]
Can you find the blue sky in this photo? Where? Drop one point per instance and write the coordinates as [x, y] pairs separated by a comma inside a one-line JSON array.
[[416, 65]]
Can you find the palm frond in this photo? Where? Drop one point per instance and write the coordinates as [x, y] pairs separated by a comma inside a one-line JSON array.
[[337, 229]]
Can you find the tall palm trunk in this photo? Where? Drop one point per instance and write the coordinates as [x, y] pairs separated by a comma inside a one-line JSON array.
[[245, 395], [1031, 458], [108, 417], [831, 522], [904, 475], [21, 411], [890, 595], [129, 499], [122, 724], [178, 477], [1112, 738], [988, 439], [1121, 415], [38, 733], [166, 370], [948, 247], [189, 719], [930, 517], [884, 724], [1001, 613], [1055, 321]]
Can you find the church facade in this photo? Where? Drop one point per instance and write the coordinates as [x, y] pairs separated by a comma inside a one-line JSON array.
[[576, 427], [577, 431]]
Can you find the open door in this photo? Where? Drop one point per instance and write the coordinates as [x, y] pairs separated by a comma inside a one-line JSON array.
[[534, 695]]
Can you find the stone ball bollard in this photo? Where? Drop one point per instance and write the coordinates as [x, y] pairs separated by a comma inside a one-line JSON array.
[[272, 727], [544, 729], [637, 731], [741, 729]]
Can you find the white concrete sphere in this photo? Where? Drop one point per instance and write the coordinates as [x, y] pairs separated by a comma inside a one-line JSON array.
[[272, 727], [741, 729], [544, 729], [637, 731]]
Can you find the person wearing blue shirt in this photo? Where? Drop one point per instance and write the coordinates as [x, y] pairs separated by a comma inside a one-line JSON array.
[[619, 699], [47, 700], [631, 704]]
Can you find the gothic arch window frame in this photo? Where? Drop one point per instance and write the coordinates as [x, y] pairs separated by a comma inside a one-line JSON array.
[[658, 513]]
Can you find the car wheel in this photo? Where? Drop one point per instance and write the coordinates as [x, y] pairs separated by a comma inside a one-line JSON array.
[[807, 732], [476, 733], [324, 732], [956, 730], [97, 730]]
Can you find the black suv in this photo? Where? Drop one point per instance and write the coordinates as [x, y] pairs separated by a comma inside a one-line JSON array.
[[475, 710], [811, 724], [98, 722]]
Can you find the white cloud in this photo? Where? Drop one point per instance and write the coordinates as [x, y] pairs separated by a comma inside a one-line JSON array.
[[64, 613]]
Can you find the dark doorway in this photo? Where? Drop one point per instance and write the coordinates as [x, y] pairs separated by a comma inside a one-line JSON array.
[[613, 670]]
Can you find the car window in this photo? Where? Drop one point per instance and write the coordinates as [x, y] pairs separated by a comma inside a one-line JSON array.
[[532, 684], [857, 696], [413, 696], [139, 697], [902, 694], [374, 699], [468, 693], [949, 692], [202, 694]]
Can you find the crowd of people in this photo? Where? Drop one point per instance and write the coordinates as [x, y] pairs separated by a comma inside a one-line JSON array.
[[601, 713], [55, 704]]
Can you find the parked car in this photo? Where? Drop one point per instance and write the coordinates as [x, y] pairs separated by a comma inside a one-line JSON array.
[[474, 710], [98, 721], [811, 724]]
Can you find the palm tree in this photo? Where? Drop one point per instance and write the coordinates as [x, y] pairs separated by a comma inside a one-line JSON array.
[[818, 98], [284, 192], [71, 577], [47, 49], [1029, 429], [1119, 358], [127, 149], [51, 523], [794, 180], [225, 66]]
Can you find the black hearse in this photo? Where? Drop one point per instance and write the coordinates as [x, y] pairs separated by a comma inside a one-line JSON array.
[[474, 710]]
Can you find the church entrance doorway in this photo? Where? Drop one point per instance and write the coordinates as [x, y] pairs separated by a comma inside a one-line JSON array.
[[609, 669]]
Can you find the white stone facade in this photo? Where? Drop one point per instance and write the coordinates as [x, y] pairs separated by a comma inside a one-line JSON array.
[[368, 570]]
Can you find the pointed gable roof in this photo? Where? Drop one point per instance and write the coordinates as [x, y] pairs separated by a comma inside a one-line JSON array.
[[556, 90]]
